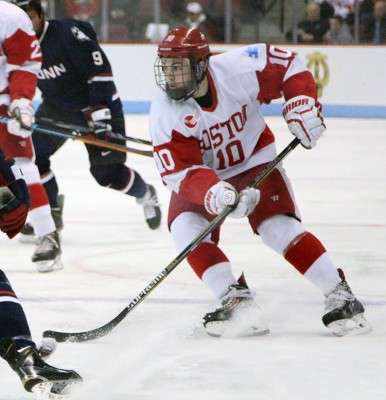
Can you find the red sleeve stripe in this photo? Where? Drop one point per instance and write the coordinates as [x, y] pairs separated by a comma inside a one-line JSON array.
[[184, 151], [22, 84], [302, 83], [21, 48]]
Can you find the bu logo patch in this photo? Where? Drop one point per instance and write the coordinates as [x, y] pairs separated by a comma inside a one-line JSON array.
[[190, 121]]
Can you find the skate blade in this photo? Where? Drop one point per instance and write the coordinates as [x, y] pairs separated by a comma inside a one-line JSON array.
[[44, 390], [357, 325], [49, 265], [229, 330], [28, 239]]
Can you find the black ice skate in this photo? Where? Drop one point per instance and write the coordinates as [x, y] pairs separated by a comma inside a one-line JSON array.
[[344, 313], [151, 208], [36, 375], [239, 314], [27, 234], [47, 254]]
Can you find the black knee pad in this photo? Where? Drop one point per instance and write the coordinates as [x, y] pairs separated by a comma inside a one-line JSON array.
[[108, 174]]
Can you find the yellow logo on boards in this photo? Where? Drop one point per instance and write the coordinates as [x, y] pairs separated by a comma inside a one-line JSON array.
[[318, 65]]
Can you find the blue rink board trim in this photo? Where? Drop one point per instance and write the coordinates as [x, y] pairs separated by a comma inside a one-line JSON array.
[[341, 111], [329, 110]]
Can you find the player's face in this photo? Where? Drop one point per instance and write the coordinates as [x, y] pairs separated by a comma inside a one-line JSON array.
[[37, 21], [177, 72], [175, 77]]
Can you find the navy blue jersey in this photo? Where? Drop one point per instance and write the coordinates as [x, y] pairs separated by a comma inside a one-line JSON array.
[[75, 71]]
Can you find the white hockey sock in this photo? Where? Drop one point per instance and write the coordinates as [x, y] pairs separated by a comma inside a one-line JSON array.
[[218, 278], [323, 274], [41, 220]]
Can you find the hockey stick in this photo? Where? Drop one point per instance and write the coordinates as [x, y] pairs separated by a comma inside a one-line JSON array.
[[83, 129], [88, 139], [107, 328]]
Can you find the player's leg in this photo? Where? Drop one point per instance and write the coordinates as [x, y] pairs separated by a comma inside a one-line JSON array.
[[45, 146], [47, 253], [19, 350], [238, 313], [276, 220]]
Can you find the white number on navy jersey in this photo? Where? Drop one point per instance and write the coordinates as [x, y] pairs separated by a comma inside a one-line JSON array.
[[97, 57]]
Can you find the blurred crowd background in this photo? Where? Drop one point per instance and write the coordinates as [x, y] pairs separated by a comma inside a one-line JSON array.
[[233, 21]]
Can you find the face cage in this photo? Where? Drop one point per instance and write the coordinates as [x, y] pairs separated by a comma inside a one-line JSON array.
[[190, 82]]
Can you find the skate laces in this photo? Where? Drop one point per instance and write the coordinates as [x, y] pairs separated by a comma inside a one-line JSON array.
[[235, 295], [46, 243], [338, 297], [149, 202]]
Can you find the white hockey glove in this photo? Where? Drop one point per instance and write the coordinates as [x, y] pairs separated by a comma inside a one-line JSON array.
[[223, 194], [99, 120], [22, 118], [304, 120]]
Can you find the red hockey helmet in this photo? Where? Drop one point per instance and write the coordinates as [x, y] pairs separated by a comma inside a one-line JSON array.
[[182, 62]]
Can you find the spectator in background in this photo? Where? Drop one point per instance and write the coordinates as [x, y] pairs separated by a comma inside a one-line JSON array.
[[343, 8], [374, 25], [313, 28], [118, 21], [339, 32], [84, 10], [197, 18]]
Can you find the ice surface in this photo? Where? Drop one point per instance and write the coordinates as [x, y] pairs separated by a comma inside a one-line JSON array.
[[160, 351]]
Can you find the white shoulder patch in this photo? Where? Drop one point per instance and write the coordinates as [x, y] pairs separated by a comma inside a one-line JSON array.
[[79, 35]]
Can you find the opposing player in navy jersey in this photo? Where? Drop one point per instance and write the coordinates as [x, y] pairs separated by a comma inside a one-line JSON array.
[[77, 87], [16, 344]]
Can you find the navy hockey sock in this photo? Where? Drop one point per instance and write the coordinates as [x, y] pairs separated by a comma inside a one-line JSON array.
[[13, 322], [139, 187], [52, 189]]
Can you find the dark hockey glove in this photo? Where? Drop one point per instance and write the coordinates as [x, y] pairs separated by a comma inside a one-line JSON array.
[[99, 120], [13, 213]]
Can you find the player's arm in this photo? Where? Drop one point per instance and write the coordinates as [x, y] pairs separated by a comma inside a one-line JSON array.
[[90, 60], [23, 57], [180, 164], [13, 212], [285, 75]]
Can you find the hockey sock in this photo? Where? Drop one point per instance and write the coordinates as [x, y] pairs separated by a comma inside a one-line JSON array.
[[123, 179], [40, 212], [13, 322], [138, 187], [308, 255], [213, 267], [302, 249], [51, 186]]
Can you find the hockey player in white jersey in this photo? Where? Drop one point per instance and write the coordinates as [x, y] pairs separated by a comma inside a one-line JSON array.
[[210, 141], [20, 61]]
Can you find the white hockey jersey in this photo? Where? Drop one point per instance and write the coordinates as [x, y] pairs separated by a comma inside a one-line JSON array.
[[195, 147], [20, 56]]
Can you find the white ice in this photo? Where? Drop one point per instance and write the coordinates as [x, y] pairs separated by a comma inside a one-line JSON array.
[[160, 350]]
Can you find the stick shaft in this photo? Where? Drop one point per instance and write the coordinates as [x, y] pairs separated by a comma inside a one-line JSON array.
[[87, 139]]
